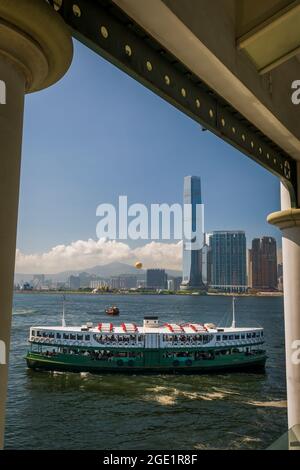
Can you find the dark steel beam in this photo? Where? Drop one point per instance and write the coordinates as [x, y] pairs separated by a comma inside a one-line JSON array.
[[107, 30]]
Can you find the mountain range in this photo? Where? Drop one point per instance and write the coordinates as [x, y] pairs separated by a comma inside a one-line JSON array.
[[103, 271]]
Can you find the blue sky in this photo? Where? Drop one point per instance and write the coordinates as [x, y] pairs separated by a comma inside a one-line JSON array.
[[98, 134]]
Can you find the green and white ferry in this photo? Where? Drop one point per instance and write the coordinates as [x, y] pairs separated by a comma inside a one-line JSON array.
[[151, 348]]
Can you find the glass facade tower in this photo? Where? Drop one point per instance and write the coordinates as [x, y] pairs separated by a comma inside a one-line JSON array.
[[229, 261], [191, 260]]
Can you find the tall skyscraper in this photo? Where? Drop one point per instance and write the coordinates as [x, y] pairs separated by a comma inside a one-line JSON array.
[[264, 263], [156, 279], [228, 251], [191, 259]]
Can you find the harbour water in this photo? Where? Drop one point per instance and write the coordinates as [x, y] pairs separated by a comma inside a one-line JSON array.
[[82, 411]]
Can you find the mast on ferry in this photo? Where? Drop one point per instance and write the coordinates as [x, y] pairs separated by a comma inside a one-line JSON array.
[[63, 321], [233, 312]]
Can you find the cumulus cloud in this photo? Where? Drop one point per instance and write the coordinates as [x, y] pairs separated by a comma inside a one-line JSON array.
[[83, 254]]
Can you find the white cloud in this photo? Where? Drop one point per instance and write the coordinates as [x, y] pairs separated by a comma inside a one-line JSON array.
[[83, 254]]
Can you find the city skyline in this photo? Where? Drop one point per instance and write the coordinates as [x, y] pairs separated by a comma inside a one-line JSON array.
[[82, 166]]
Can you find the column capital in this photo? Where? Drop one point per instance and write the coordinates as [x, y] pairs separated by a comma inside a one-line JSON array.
[[285, 219], [36, 40]]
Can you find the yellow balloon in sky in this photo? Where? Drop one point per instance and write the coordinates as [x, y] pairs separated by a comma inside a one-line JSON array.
[[138, 265]]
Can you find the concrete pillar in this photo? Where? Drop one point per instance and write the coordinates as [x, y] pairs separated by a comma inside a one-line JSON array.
[[288, 220], [35, 51]]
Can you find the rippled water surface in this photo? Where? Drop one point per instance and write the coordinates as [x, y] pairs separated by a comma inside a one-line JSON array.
[[83, 411]]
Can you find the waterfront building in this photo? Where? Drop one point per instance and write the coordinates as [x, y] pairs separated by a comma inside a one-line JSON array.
[[171, 285], [250, 269], [228, 251], [177, 283], [38, 281], [126, 281], [156, 279], [264, 263], [191, 258], [74, 282], [98, 283]]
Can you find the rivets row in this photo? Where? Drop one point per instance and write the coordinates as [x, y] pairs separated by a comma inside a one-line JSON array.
[[260, 150], [129, 52]]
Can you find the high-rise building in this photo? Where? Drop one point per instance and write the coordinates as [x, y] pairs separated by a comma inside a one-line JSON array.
[[250, 268], [191, 258], [74, 282], [156, 279], [228, 252], [264, 263]]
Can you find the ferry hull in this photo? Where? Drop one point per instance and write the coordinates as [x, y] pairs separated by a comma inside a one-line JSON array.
[[70, 364]]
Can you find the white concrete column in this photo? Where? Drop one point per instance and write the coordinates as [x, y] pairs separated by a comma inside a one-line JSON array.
[[288, 220], [35, 51]]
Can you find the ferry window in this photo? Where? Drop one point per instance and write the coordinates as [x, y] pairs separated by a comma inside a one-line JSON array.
[[87, 337], [218, 338], [79, 337], [44, 334], [261, 333], [237, 337], [66, 336], [231, 337], [33, 333], [58, 335], [248, 335], [38, 333], [243, 337], [253, 335], [72, 336], [257, 335], [225, 337]]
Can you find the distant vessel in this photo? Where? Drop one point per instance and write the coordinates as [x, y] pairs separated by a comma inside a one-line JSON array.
[[167, 348], [114, 311]]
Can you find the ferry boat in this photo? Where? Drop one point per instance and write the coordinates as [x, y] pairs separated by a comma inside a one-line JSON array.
[[150, 348]]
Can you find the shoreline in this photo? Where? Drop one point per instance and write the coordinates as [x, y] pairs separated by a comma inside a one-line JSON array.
[[189, 294]]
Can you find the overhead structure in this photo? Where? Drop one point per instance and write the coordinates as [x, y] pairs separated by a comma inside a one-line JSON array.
[[109, 31]]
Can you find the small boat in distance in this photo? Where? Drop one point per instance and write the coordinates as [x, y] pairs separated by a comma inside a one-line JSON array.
[[113, 311], [151, 347]]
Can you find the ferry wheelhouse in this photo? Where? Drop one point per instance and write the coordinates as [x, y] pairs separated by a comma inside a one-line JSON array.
[[152, 347]]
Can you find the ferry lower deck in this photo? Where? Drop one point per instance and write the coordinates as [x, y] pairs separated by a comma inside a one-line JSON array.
[[155, 360]]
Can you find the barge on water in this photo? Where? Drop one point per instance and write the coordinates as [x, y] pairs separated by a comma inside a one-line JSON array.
[[151, 348]]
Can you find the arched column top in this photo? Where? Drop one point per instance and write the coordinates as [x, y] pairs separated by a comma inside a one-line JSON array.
[[285, 219], [35, 38]]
